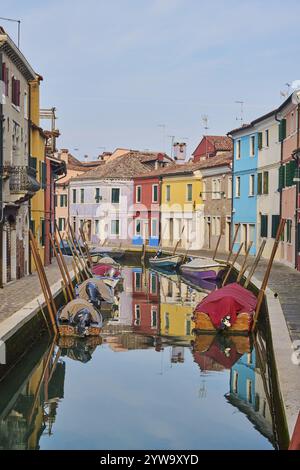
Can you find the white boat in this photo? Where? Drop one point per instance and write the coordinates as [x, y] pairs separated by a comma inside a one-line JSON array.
[[203, 268]]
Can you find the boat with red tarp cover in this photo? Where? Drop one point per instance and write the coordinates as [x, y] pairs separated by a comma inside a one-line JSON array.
[[231, 307]]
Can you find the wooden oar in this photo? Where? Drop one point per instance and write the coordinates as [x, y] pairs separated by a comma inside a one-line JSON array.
[[255, 263], [233, 243], [232, 264], [62, 270], [243, 268], [178, 241], [264, 284], [217, 246]]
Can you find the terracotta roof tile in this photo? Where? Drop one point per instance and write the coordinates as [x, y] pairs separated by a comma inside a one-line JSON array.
[[221, 142]]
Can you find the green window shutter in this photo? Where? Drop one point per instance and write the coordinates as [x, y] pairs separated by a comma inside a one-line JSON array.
[[259, 183], [290, 172], [42, 235], [260, 140], [275, 224], [282, 130], [263, 225], [266, 182], [32, 163], [281, 175]]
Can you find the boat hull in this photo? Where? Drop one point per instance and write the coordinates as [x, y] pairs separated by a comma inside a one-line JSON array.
[[68, 330], [169, 263], [242, 325], [209, 273]]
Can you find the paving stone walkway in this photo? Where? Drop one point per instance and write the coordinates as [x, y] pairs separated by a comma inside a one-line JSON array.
[[18, 293]]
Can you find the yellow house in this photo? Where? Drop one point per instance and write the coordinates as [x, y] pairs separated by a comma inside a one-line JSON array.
[[182, 207], [37, 164]]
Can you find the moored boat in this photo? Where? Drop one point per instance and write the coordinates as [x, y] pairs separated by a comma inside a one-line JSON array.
[[203, 269], [110, 274], [79, 318], [166, 262], [230, 308]]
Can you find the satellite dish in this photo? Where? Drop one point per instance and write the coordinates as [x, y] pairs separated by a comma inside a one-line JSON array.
[[296, 97]]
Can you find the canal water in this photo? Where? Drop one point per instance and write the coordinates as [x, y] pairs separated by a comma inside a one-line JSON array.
[[147, 383]]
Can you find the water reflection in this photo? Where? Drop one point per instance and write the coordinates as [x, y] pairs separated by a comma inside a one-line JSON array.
[[152, 321]]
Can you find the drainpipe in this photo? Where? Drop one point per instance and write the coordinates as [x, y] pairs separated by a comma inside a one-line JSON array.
[[232, 185], [159, 220], [1, 183], [281, 160], [296, 158], [29, 155]]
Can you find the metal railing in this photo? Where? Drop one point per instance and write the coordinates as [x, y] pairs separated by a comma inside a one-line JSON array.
[[21, 179]]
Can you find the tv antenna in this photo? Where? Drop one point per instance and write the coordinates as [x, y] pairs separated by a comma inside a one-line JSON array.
[[204, 118], [12, 20], [241, 118]]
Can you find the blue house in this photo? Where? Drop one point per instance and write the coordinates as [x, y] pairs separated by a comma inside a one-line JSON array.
[[244, 180]]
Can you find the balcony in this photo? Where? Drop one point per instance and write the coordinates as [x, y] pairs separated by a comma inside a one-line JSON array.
[[22, 182]]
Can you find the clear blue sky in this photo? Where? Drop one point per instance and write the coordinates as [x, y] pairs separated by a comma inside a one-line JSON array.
[[115, 69]]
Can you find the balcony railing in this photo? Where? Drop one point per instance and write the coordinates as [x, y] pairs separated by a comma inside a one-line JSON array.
[[22, 179]]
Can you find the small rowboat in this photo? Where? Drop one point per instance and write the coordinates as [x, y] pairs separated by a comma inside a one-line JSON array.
[[104, 291], [166, 262], [79, 318], [108, 273], [230, 308], [114, 253], [203, 269]]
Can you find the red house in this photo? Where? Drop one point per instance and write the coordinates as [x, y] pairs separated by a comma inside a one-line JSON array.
[[211, 146], [146, 196]]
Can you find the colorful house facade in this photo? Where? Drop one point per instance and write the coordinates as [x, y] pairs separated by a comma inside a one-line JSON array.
[[147, 193], [212, 146], [244, 181]]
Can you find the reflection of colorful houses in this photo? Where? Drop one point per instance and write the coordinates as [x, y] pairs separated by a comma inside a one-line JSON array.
[[145, 303], [123, 314], [177, 302], [27, 394], [247, 393]]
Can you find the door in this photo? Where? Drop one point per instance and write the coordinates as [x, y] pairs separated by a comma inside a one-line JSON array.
[[146, 231]]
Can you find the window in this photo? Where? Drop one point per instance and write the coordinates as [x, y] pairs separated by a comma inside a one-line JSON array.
[[63, 200], [235, 381], [237, 186], [189, 192], [55, 200], [61, 223], [168, 193], [153, 284], [216, 225], [5, 78], [275, 224], [282, 130], [115, 195], [138, 194], [137, 309], [82, 196], [81, 222], [43, 232], [170, 289], [154, 228], [167, 320], [97, 195], [249, 391], [266, 182], [229, 189], [251, 233], [74, 224], [25, 105], [154, 193], [238, 150], [115, 227], [74, 196], [263, 226], [43, 174], [267, 137], [137, 227], [188, 327], [259, 183], [138, 281], [15, 91], [204, 190], [251, 185], [153, 318], [252, 146], [260, 140], [97, 225], [289, 231]]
